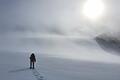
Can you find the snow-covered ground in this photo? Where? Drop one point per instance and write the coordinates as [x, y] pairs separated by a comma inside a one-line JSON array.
[[74, 60], [15, 66]]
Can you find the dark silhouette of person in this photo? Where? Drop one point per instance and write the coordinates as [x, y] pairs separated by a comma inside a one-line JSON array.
[[32, 61]]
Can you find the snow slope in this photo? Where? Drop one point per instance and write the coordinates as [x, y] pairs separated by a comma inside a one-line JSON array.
[[57, 59], [15, 66], [80, 49]]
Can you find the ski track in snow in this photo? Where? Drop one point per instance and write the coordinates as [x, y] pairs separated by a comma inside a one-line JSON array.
[[37, 75]]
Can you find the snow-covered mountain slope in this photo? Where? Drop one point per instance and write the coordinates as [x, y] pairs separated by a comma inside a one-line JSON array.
[[78, 49], [57, 59], [109, 43], [15, 66]]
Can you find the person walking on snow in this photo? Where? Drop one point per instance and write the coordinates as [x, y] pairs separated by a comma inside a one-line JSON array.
[[32, 61]]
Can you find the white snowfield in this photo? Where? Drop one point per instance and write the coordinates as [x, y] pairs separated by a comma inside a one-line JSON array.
[[91, 63], [15, 66]]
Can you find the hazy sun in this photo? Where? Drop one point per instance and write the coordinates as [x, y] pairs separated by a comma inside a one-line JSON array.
[[93, 9]]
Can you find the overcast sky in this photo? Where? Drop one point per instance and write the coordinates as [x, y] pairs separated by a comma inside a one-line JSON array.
[[63, 17], [42, 25]]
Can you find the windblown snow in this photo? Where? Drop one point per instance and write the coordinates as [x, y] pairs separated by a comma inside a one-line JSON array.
[[57, 59]]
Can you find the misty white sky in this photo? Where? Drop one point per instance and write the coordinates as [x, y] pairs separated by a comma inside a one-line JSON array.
[[31, 25], [61, 17]]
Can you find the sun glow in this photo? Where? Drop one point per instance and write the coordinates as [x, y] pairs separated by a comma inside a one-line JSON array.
[[93, 9]]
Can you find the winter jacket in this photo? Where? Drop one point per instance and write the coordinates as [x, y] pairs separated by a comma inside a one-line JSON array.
[[32, 58]]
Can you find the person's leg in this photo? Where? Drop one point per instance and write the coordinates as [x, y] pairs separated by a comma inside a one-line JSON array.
[[30, 65], [33, 65]]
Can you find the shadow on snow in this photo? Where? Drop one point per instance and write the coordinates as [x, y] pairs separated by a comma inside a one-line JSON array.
[[18, 70], [37, 75]]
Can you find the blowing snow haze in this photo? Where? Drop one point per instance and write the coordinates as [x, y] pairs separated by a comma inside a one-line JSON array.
[[56, 27]]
